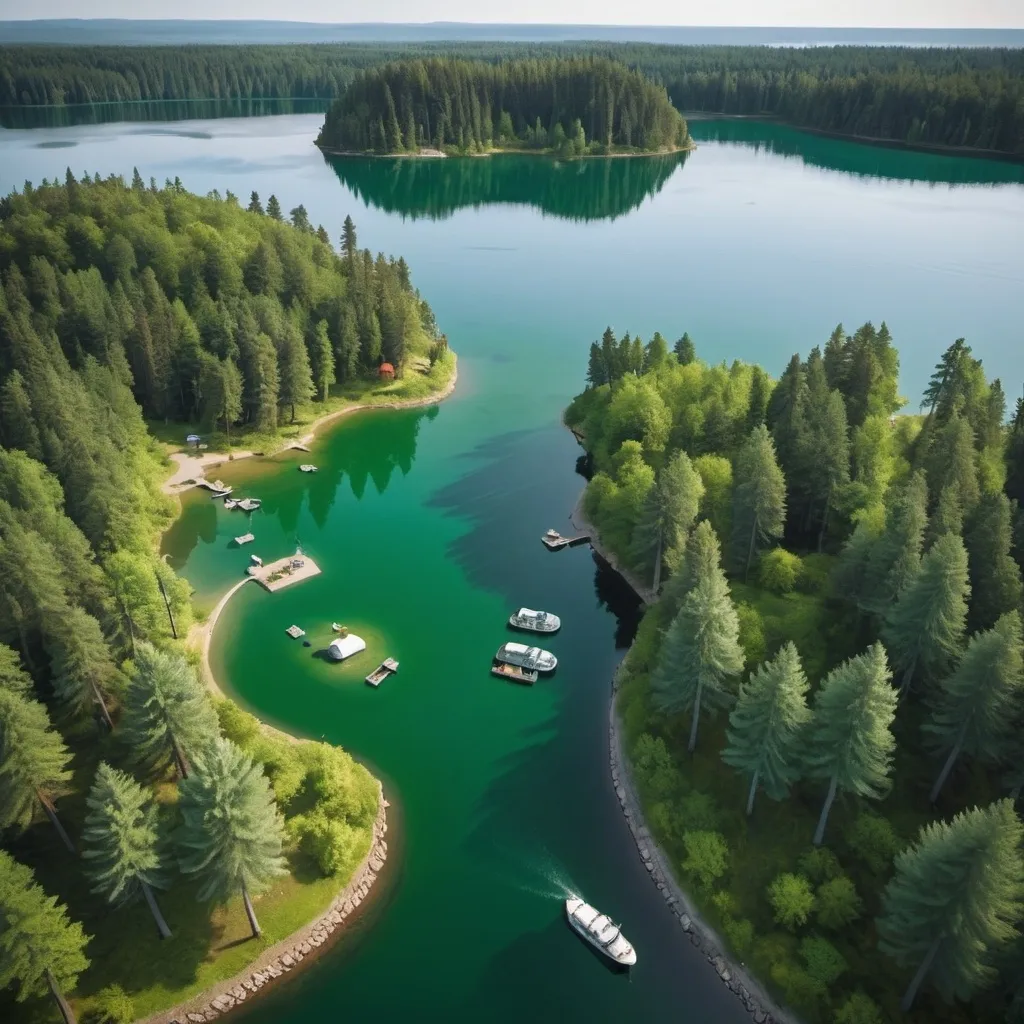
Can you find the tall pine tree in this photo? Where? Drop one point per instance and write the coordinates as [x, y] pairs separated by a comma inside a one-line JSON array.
[[759, 498]]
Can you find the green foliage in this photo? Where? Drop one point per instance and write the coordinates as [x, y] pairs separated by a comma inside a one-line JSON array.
[[332, 842], [995, 576], [716, 504], [825, 964], [13, 678], [837, 903], [707, 856], [792, 900], [111, 1005], [858, 1008], [237, 725], [654, 766], [740, 935], [872, 840], [759, 498], [779, 570], [36, 937], [752, 638], [819, 864]]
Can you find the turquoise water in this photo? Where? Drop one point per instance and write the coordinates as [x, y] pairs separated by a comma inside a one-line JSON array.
[[427, 523]]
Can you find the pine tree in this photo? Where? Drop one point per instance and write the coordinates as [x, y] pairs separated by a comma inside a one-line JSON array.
[[120, 842], [760, 396], [684, 350], [956, 896], [13, 678], [231, 831], [33, 764], [766, 726], [322, 358], [1015, 455], [274, 209], [759, 498], [951, 460], [255, 206], [655, 353], [668, 513], [295, 382], [167, 714], [80, 664], [849, 741], [597, 371], [948, 516], [972, 711], [349, 246], [701, 654], [837, 360], [995, 576], [925, 628], [701, 558], [40, 948]]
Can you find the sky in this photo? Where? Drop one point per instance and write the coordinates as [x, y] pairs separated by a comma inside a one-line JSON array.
[[818, 13]]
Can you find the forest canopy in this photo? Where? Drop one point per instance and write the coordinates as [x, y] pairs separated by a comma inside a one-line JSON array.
[[574, 106]]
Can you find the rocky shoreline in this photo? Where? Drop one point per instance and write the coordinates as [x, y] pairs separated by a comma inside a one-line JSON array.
[[290, 954]]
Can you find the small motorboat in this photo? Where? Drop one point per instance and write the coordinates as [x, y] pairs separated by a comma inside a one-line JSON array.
[[535, 622], [345, 646], [230, 503], [307, 467], [246, 538], [249, 504], [600, 931], [221, 491], [532, 658], [256, 560], [513, 673], [386, 668], [295, 632]]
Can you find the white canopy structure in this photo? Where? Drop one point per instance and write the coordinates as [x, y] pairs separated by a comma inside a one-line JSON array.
[[345, 646]]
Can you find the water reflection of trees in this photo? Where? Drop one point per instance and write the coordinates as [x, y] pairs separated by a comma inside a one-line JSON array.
[[867, 161], [592, 189]]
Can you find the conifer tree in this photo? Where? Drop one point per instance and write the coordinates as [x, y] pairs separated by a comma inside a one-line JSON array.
[[956, 897], [948, 516], [274, 209], [33, 764], [701, 654], [837, 359], [972, 710], [849, 741], [701, 558], [13, 678], [349, 245], [925, 628], [255, 206], [295, 385], [80, 664], [759, 498], [787, 420], [995, 576], [767, 724], [120, 842], [1015, 455], [322, 358], [40, 949], [231, 831], [668, 513], [951, 460], [167, 714], [760, 396], [685, 351]]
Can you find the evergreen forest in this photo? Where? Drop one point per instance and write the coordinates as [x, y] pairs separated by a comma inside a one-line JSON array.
[[927, 96], [133, 805], [824, 704], [572, 106]]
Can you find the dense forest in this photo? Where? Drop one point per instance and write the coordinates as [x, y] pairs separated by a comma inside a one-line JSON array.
[[571, 105], [946, 97], [838, 632], [122, 301]]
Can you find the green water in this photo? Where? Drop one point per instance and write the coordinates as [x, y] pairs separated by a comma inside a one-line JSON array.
[[427, 523]]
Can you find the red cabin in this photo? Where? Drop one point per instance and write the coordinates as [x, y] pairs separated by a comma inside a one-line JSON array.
[[387, 371]]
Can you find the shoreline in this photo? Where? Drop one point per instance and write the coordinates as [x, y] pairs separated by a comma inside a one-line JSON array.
[[436, 154]]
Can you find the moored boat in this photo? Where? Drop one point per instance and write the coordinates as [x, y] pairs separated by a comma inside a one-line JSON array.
[[513, 673], [600, 931], [532, 658], [307, 467], [535, 622], [249, 504]]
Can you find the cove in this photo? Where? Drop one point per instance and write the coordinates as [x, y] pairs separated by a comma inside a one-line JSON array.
[[427, 522]]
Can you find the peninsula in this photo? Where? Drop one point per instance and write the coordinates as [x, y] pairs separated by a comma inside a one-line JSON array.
[[569, 107]]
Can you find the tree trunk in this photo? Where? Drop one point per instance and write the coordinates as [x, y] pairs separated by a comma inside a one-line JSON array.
[[103, 707], [167, 605], [696, 719], [293, 413], [161, 924], [250, 913], [922, 973], [753, 792], [819, 832], [824, 518], [947, 767], [907, 676], [750, 549], [180, 761], [58, 997], [657, 566], [52, 815]]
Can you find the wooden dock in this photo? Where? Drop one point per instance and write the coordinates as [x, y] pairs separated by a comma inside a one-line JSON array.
[[386, 668], [295, 632], [284, 572], [246, 538], [554, 541]]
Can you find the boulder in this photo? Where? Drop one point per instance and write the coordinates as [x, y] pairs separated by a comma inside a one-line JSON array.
[[684, 920], [196, 1018], [620, 793], [759, 1017], [376, 864], [287, 960]]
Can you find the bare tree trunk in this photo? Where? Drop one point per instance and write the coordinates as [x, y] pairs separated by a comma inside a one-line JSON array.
[[819, 832], [947, 767], [58, 997], [250, 913], [657, 566], [180, 761], [167, 605], [52, 815], [753, 792], [161, 924], [750, 550], [922, 973], [103, 707], [696, 719]]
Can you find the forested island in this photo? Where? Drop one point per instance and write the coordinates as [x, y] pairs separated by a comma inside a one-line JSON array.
[[571, 107], [942, 97], [121, 302], [824, 709]]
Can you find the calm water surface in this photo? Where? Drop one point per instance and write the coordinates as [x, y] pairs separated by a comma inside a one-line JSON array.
[[427, 523]]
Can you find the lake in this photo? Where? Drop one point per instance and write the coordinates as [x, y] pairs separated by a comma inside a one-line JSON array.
[[427, 522]]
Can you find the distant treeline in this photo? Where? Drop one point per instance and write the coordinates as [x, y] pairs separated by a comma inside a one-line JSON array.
[[572, 105], [949, 97]]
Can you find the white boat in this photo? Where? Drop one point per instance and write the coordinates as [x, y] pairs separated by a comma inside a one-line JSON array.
[[536, 622], [307, 467], [221, 492], [230, 503], [600, 931], [532, 658], [345, 646], [249, 504]]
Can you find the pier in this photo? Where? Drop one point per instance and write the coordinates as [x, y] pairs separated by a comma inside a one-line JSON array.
[[554, 541], [284, 572]]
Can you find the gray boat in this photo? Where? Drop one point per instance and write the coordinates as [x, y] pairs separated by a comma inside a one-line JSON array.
[[531, 658], [535, 622]]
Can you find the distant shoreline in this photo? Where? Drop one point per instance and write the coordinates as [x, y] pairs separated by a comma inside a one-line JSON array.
[[430, 153]]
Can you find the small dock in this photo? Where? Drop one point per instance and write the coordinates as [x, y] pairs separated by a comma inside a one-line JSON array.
[[246, 538], [386, 668], [554, 541], [295, 632], [284, 572]]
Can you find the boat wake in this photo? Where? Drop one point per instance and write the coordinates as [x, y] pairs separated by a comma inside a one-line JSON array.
[[550, 879]]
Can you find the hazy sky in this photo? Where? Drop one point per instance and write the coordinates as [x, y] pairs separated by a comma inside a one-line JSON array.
[[841, 13]]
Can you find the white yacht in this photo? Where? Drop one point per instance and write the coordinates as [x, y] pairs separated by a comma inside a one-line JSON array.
[[249, 504], [600, 931], [535, 622], [532, 658]]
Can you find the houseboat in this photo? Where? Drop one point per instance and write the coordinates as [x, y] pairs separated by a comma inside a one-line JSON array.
[[513, 673], [532, 658], [535, 622]]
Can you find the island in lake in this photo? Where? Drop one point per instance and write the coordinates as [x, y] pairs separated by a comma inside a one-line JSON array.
[[569, 107]]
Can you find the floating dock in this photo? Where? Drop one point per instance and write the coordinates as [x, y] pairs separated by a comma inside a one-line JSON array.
[[295, 632], [246, 538], [386, 668], [284, 572], [554, 541]]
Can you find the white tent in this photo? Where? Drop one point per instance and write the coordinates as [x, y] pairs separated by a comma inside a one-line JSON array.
[[345, 646]]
